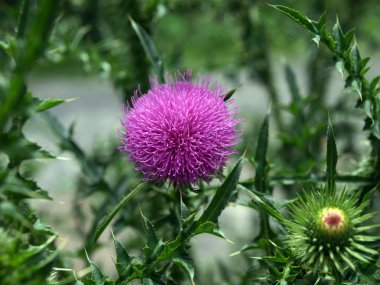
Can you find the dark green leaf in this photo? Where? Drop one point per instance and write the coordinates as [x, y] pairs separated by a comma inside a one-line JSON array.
[[149, 49], [292, 83], [23, 18], [331, 158], [222, 196], [229, 94], [260, 158], [108, 218]]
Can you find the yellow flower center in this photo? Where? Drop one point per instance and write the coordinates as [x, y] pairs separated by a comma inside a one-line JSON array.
[[332, 219]]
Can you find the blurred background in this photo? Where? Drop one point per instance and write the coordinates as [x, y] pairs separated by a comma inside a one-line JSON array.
[[95, 58]]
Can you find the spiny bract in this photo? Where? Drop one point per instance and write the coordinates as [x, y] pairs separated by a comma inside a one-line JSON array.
[[181, 131], [325, 233]]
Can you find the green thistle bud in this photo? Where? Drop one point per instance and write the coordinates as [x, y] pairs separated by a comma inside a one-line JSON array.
[[325, 233]]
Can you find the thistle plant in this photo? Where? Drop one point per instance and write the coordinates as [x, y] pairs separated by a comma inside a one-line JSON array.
[[183, 131]]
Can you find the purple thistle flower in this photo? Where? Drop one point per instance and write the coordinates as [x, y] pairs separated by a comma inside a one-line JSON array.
[[182, 131]]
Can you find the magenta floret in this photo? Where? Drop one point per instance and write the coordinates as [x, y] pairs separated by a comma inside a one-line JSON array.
[[182, 131]]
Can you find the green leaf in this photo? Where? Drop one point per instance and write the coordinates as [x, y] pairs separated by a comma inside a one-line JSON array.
[[297, 17], [8, 209], [316, 39], [32, 250], [22, 187], [357, 255], [123, 259], [149, 49], [186, 267], [23, 18], [356, 59], [18, 148], [292, 83], [43, 228], [184, 212], [222, 196], [262, 200], [322, 21], [7, 48], [150, 233], [364, 248], [348, 37], [210, 228], [251, 246], [229, 94], [331, 158], [338, 37], [348, 261], [108, 218], [96, 274], [50, 103], [375, 82], [339, 65], [356, 86], [260, 158]]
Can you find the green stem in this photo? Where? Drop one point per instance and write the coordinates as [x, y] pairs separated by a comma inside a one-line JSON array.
[[106, 220]]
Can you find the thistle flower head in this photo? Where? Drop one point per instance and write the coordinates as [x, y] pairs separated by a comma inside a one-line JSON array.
[[181, 131], [326, 233]]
